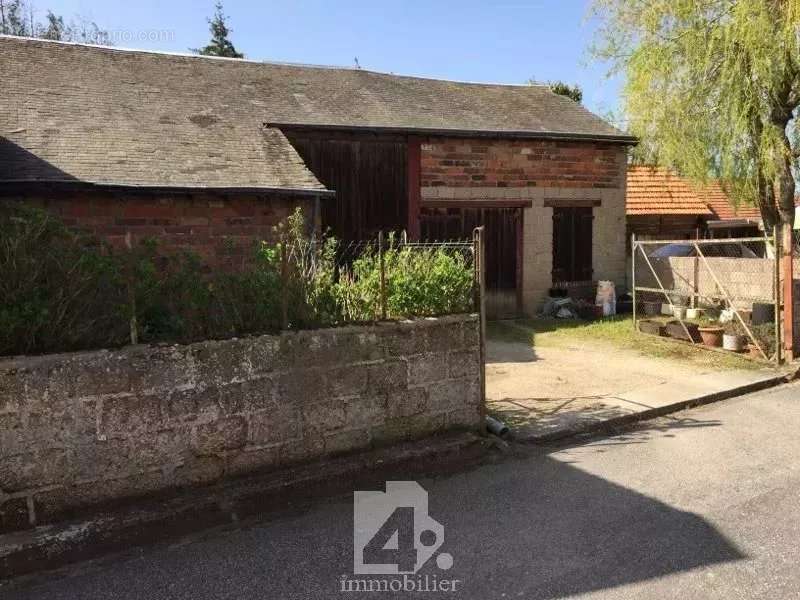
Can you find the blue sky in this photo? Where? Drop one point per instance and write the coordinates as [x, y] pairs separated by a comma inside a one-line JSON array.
[[502, 41]]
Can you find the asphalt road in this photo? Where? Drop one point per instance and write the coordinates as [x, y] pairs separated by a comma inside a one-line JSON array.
[[702, 505]]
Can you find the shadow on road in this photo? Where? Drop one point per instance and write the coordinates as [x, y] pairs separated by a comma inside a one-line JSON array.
[[532, 527]]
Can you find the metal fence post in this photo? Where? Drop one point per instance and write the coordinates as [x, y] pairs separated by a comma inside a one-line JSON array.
[[383, 275], [284, 285], [480, 273]]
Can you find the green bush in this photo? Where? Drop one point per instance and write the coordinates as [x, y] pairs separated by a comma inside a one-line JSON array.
[[58, 290], [64, 291], [420, 281]]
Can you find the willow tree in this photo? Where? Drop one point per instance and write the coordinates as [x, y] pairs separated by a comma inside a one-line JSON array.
[[712, 89]]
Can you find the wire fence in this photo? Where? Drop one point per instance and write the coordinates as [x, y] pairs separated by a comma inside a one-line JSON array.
[[383, 278], [715, 292]]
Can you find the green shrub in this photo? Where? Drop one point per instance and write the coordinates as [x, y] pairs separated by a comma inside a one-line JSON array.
[[59, 290], [63, 291], [420, 281]]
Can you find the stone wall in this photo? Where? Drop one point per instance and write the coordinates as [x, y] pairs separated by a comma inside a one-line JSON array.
[[85, 428], [222, 228]]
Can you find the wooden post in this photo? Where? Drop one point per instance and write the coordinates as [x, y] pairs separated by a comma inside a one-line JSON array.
[[413, 183], [284, 285], [777, 295], [480, 272], [383, 275], [787, 260], [633, 277]]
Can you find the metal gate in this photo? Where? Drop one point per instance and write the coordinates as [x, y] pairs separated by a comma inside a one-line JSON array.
[[710, 290]]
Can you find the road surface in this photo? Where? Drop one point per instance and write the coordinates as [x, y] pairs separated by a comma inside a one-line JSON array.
[[702, 505]]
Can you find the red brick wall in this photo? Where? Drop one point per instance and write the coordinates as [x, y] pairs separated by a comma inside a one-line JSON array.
[[221, 228], [520, 163]]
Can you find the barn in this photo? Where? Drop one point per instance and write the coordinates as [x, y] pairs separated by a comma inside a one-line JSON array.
[[210, 153]]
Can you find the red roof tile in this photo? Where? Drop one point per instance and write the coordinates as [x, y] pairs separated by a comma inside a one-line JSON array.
[[658, 191]]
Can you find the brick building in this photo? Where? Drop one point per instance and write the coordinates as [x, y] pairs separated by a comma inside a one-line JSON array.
[[209, 153]]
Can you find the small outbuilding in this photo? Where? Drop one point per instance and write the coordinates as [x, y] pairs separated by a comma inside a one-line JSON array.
[[660, 204], [210, 153]]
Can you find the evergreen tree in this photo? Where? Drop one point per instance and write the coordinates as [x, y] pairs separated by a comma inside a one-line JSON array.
[[573, 92], [220, 45]]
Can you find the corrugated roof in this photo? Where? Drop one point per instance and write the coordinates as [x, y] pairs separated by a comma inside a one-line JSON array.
[[107, 115], [658, 191]]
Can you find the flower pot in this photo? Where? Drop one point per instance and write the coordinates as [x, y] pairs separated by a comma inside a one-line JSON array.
[[679, 312], [666, 309], [711, 336], [694, 313], [733, 342]]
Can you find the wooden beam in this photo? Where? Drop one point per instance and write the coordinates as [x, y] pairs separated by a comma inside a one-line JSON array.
[[475, 203], [570, 202], [413, 185], [520, 256]]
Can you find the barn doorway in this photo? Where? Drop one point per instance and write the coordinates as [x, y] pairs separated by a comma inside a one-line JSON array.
[[503, 235]]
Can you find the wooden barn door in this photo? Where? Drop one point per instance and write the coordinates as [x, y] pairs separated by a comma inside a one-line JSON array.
[[503, 228]]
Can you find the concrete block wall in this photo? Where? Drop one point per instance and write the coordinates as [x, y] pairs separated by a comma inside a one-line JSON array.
[[86, 428]]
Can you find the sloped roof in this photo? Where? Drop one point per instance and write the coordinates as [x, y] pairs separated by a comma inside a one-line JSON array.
[[723, 206], [658, 191], [70, 112], [129, 117]]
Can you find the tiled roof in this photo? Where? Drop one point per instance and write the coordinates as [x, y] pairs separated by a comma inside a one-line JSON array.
[[73, 111], [657, 191], [723, 207]]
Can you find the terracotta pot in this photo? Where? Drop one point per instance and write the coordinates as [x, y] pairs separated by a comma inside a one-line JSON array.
[[711, 336]]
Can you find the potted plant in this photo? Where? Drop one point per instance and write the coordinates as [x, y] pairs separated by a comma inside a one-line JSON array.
[[711, 333], [694, 313], [679, 308], [733, 338]]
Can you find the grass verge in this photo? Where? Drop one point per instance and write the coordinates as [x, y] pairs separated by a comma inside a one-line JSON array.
[[613, 333]]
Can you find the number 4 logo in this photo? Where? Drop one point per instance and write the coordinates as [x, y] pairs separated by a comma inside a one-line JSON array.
[[393, 533]]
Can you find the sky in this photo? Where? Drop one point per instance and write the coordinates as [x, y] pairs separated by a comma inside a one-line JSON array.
[[483, 41]]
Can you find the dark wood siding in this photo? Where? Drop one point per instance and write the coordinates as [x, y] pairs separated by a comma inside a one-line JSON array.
[[503, 227], [368, 173], [572, 244]]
